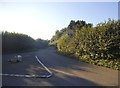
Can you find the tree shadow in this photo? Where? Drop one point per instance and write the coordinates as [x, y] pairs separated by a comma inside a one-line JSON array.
[[30, 66], [58, 80], [52, 61]]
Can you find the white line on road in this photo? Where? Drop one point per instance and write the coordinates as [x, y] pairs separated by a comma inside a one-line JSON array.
[[43, 65], [31, 76]]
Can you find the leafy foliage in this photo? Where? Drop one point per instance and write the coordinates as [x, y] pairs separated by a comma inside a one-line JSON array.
[[97, 45], [41, 43], [15, 42]]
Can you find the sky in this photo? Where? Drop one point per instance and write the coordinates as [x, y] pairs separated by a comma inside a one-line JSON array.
[[42, 19]]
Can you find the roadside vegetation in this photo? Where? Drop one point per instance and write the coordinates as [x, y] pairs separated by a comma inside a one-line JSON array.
[[99, 45], [16, 42]]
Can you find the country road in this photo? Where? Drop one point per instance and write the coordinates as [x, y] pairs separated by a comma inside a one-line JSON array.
[[66, 71]]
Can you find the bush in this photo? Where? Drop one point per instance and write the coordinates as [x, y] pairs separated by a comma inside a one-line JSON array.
[[89, 43], [16, 42]]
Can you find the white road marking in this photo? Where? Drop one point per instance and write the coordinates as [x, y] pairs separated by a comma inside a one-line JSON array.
[[31, 76], [43, 65]]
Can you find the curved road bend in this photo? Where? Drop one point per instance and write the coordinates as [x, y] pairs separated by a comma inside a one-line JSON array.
[[66, 72]]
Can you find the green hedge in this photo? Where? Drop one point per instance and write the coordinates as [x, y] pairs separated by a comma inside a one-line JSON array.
[[16, 42], [98, 45]]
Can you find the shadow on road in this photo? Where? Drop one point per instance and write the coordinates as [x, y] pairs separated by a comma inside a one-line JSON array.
[[60, 80], [67, 72]]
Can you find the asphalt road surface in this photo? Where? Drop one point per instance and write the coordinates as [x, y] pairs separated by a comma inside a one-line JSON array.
[[66, 71]]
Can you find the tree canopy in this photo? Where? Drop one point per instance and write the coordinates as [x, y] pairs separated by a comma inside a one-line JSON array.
[[16, 42]]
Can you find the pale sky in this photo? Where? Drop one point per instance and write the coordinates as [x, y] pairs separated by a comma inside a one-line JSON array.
[[42, 19]]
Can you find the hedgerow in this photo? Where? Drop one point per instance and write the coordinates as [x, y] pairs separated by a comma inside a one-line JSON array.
[[99, 45]]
